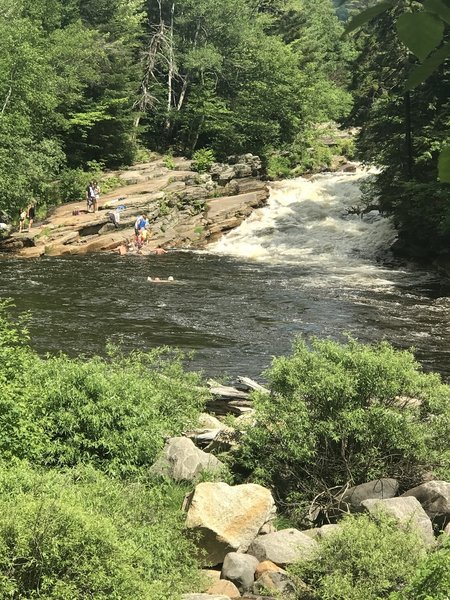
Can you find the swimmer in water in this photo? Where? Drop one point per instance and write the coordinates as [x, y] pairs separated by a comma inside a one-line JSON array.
[[158, 280]]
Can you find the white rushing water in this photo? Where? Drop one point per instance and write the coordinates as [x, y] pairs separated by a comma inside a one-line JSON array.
[[306, 222]]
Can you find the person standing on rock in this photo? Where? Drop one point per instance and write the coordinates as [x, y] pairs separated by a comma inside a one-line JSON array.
[[22, 218], [96, 195], [140, 223], [90, 197], [31, 215]]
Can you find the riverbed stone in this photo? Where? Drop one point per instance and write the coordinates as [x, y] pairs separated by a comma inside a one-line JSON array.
[[275, 582], [267, 565], [283, 547], [378, 489], [404, 510], [434, 496], [318, 533], [227, 518], [181, 460], [240, 569], [224, 588]]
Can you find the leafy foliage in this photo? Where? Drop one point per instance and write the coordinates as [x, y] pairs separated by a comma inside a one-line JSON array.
[[202, 160], [431, 580], [113, 413], [81, 535], [334, 418], [365, 559]]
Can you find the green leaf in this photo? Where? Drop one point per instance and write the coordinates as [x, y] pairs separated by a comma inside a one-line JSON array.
[[420, 32], [444, 165], [439, 7], [423, 71], [367, 15]]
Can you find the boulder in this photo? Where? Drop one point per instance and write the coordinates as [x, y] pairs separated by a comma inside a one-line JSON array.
[[274, 582], [379, 489], [283, 547], [404, 510], [224, 588], [240, 569], [434, 496], [211, 577], [181, 460], [227, 518], [319, 533], [206, 421], [267, 565]]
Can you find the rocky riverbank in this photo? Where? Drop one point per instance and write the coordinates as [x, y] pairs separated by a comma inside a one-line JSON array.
[[243, 553], [186, 209]]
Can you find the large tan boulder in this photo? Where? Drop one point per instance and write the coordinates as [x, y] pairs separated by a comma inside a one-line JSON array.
[[405, 511], [283, 547], [227, 518], [224, 588], [434, 496]]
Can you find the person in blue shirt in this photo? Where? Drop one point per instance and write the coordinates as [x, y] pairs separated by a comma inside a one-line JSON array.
[[140, 223]]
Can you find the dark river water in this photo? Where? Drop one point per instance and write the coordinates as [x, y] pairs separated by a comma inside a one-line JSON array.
[[301, 266]]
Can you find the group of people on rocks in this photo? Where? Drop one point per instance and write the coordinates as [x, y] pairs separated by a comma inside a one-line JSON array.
[[27, 213]]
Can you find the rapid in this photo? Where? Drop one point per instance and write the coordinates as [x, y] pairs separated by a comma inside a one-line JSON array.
[[302, 265]]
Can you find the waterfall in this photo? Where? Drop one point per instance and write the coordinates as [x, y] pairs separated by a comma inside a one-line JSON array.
[[306, 223]]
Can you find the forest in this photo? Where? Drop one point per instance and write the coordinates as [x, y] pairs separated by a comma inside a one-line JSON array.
[[95, 85]]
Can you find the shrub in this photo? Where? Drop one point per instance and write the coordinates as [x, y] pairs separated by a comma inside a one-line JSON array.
[[202, 160], [168, 161], [113, 413], [334, 418], [365, 559], [431, 581], [79, 535], [278, 166]]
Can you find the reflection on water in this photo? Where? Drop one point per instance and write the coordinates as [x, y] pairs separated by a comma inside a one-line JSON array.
[[299, 266]]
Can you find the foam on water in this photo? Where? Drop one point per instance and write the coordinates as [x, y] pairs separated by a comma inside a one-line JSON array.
[[306, 222]]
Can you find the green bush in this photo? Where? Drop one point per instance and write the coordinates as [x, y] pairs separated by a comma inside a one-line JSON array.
[[202, 160], [432, 578], [334, 419], [79, 535], [168, 161], [365, 559], [113, 413], [278, 166]]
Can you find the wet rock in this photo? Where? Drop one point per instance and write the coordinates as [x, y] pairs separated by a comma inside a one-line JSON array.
[[181, 460], [227, 518], [283, 547]]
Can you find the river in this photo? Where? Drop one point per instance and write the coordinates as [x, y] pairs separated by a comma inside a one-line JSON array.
[[299, 266]]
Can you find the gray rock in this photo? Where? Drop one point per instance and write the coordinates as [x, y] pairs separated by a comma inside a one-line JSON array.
[[227, 518], [182, 460], [379, 489], [404, 511], [318, 533], [283, 547], [434, 496], [240, 569]]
